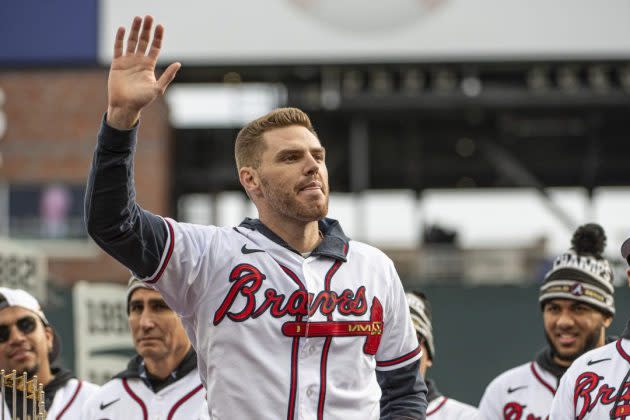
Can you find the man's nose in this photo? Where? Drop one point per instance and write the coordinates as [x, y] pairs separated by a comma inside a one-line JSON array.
[[146, 321], [15, 335], [565, 319], [312, 165]]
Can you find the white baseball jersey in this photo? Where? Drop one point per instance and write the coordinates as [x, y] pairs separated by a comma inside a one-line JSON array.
[[597, 385], [67, 402], [444, 408], [280, 336], [522, 393], [131, 398]]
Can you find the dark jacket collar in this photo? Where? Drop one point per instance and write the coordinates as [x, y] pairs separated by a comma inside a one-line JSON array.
[[544, 358], [433, 392], [334, 245], [136, 369]]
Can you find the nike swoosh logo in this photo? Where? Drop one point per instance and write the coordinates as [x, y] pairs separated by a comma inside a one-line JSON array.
[[592, 362], [246, 250], [510, 390], [104, 406]]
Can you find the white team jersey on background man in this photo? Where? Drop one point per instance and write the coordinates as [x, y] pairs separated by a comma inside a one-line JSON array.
[[68, 401], [522, 393], [262, 354], [592, 387], [444, 408], [132, 399]]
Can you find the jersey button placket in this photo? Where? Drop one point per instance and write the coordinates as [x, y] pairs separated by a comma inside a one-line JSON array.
[[157, 407], [309, 359]]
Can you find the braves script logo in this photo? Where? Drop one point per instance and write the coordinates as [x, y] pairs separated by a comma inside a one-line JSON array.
[[588, 382], [247, 281], [515, 411]]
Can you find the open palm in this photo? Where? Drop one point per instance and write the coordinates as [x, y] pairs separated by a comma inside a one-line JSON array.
[[132, 84]]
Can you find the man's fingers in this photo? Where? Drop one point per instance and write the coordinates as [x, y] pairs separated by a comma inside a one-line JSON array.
[[156, 45], [119, 41], [168, 76], [145, 35], [132, 41]]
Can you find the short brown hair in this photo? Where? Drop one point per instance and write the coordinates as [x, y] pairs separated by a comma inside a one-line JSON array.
[[249, 141]]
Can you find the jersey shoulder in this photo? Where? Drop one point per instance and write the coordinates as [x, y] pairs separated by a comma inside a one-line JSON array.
[[111, 389], [360, 252], [461, 408], [591, 359], [89, 387], [193, 228], [507, 378]]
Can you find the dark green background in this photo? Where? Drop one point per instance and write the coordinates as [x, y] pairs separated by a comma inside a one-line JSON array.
[[483, 331], [479, 332]]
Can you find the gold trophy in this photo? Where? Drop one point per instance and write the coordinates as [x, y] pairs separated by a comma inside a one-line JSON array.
[[32, 394]]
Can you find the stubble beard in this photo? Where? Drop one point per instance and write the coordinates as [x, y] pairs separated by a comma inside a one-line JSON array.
[[285, 203], [591, 342], [32, 371]]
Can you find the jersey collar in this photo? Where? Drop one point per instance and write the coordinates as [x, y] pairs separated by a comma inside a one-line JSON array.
[[544, 359], [432, 392], [334, 245], [136, 369]]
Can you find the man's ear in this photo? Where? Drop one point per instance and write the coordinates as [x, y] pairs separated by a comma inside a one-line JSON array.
[[50, 335], [250, 180], [607, 321], [628, 274]]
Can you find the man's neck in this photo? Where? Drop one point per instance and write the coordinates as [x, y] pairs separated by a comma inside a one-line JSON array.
[[302, 236], [561, 362], [161, 368], [44, 375]]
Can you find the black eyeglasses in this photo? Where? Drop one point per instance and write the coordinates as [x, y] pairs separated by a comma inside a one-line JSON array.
[[25, 324]]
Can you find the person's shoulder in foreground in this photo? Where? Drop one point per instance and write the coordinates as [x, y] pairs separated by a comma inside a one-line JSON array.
[[597, 385]]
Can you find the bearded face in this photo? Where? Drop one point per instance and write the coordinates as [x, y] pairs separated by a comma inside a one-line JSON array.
[[293, 175], [306, 202], [572, 328]]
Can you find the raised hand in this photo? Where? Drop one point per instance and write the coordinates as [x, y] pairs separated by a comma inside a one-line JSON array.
[[132, 84]]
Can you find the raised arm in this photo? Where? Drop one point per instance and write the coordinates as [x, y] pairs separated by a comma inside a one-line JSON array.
[[117, 224], [132, 84]]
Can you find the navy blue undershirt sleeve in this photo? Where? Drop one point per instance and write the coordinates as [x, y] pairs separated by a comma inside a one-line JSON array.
[[404, 393], [114, 220]]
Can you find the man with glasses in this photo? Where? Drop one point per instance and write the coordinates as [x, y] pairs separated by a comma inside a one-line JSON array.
[[162, 380], [29, 344]]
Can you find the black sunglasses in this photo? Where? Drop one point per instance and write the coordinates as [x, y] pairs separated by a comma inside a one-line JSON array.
[[26, 325]]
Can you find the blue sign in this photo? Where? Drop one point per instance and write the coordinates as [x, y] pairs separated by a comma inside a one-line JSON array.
[[36, 32]]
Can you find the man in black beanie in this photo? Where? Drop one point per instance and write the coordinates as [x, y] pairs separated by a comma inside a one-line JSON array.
[[440, 407]]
